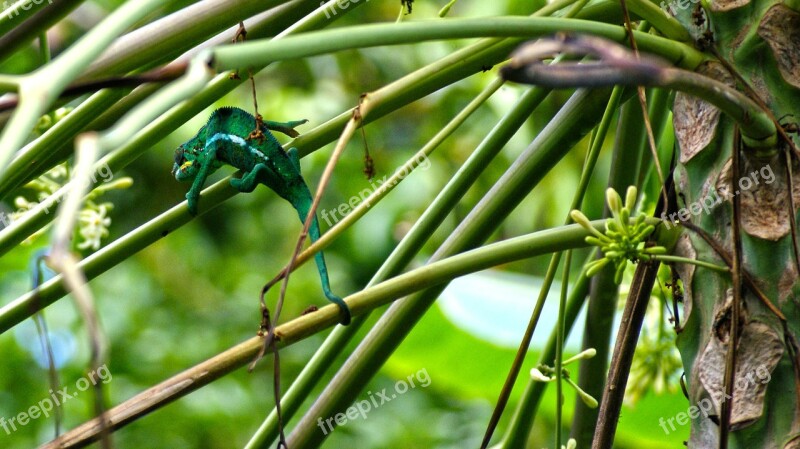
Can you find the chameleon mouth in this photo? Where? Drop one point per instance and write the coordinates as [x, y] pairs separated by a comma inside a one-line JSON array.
[[185, 165]]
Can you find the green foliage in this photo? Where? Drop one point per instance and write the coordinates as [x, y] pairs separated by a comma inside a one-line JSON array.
[[172, 291]]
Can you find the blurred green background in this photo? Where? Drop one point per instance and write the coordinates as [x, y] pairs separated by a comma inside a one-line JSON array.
[[194, 293]]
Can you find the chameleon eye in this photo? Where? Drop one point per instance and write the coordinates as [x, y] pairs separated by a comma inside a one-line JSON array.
[[179, 155]]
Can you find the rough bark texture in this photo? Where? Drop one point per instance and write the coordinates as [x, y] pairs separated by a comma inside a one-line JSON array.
[[762, 41]]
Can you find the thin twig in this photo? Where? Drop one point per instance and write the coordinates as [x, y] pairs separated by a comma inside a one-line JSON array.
[[164, 74], [748, 279], [651, 141], [37, 270], [628, 335], [62, 259], [736, 309], [347, 133], [792, 220]]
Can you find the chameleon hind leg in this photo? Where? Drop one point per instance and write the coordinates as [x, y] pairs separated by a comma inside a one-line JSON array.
[[248, 182]]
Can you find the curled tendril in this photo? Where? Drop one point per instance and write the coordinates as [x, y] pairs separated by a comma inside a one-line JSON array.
[[625, 237]]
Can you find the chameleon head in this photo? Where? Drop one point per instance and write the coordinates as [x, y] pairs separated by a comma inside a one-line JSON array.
[[186, 166]]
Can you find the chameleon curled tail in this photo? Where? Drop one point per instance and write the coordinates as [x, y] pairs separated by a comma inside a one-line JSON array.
[[226, 139], [303, 205]]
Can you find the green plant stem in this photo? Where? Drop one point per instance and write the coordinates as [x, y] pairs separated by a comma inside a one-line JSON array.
[[341, 335], [18, 30], [699, 263], [360, 303], [586, 174], [560, 337], [259, 53], [170, 36], [38, 90], [16, 12], [107, 257], [569, 125], [658, 101], [521, 422], [191, 83], [664, 23], [9, 83], [44, 48], [32, 159]]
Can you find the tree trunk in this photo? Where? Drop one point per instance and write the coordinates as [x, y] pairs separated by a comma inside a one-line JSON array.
[[762, 41]]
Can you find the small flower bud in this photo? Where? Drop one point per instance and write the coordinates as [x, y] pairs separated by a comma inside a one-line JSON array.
[[630, 198]]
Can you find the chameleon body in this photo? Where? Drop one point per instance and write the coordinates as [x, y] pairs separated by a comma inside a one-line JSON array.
[[225, 140]]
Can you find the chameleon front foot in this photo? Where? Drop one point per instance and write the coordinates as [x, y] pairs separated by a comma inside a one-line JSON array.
[[191, 201]]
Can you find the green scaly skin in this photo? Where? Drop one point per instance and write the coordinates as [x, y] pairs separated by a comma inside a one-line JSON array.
[[224, 141]]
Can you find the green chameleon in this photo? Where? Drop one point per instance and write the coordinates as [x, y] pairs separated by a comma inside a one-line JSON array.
[[226, 139]]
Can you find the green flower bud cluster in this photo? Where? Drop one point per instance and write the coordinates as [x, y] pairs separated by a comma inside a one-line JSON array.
[[624, 239]]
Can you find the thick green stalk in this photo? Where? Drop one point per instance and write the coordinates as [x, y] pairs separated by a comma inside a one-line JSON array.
[[168, 37], [394, 264], [15, 34], [629, 150], [436, 213], [9, 83], [664, 23], [591, 159], [41, 88], [362, 302], [262, 52], [567, 127]]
